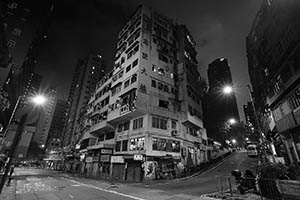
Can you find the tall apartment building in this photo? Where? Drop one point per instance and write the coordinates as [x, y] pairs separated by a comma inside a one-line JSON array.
[[147, 111], [219, 108], [25, 25], [273, 62], [45, 118], [57, 126], [250, 124], [85, 77]]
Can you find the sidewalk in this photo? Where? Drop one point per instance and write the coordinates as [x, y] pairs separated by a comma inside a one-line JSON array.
[[9, 192]]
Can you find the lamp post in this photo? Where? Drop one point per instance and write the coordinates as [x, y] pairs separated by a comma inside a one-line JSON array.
[[228, 90], [37, 100]]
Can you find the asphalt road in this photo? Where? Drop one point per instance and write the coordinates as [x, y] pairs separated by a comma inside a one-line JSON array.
[[210, 181], [38, 184]]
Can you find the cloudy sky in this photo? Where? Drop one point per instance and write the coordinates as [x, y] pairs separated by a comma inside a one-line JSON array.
[[87, 27]]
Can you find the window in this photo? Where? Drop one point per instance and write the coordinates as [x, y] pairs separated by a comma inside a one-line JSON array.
[[126, 84], [128, 68], [126, 125], [120, 128], [17, 32], [153, 83], [134, 63], [122, 60], [110, 135], [162, 57], [11, 43], [138, 123], [159, 123], [118, 146], [173, 124], [145, 56], [286, 74], [124, 145], [160, 86], [166, 88], [153, 68], [137, 144], [133, 78], [159, 144], [163, 104]]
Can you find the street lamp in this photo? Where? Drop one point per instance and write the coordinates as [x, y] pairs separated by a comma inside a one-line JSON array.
[[232, 121], [36, 100], [233, 141], [228, 90]]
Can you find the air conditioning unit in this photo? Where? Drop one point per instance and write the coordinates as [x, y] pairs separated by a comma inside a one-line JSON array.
[[174, 133]]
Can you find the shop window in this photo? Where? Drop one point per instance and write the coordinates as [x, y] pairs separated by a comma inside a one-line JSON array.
[[124, 145], [118, 146], [137, 144], [138, 123], [159, 144], [153, 83]]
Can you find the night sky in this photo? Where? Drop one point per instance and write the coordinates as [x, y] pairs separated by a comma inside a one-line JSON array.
[[87, 27]]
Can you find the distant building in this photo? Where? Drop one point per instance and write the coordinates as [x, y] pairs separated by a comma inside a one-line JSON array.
[[273, 53], [218, 107], [54, 139], [45, 118], [147, 111], [85, 77], [250, 124]]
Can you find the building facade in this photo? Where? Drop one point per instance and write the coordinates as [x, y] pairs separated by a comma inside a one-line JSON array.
[[145, 116], [250, 124], [25, 25], [85, 77], [57, 126], [273, 61], [218, 107], [45, 119]]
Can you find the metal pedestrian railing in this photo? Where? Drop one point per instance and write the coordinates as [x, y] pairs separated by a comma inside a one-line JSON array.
[[258, 188]]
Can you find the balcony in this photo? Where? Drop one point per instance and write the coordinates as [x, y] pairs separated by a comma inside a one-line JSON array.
[[126, 111], [101, 126], [103, 144], [192, 120]]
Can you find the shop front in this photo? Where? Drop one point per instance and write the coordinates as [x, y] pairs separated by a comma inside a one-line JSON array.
[[97, 162]]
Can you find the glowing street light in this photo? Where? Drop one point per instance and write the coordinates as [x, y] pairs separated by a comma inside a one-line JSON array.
[[38, 100], [227, 89], [233, 141], [232, 121]]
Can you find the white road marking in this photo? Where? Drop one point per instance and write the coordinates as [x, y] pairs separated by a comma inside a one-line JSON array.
[[76, 185], [104, 190], [71, 196]]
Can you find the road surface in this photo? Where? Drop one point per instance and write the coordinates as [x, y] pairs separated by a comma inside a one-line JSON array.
[[38, 184]]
